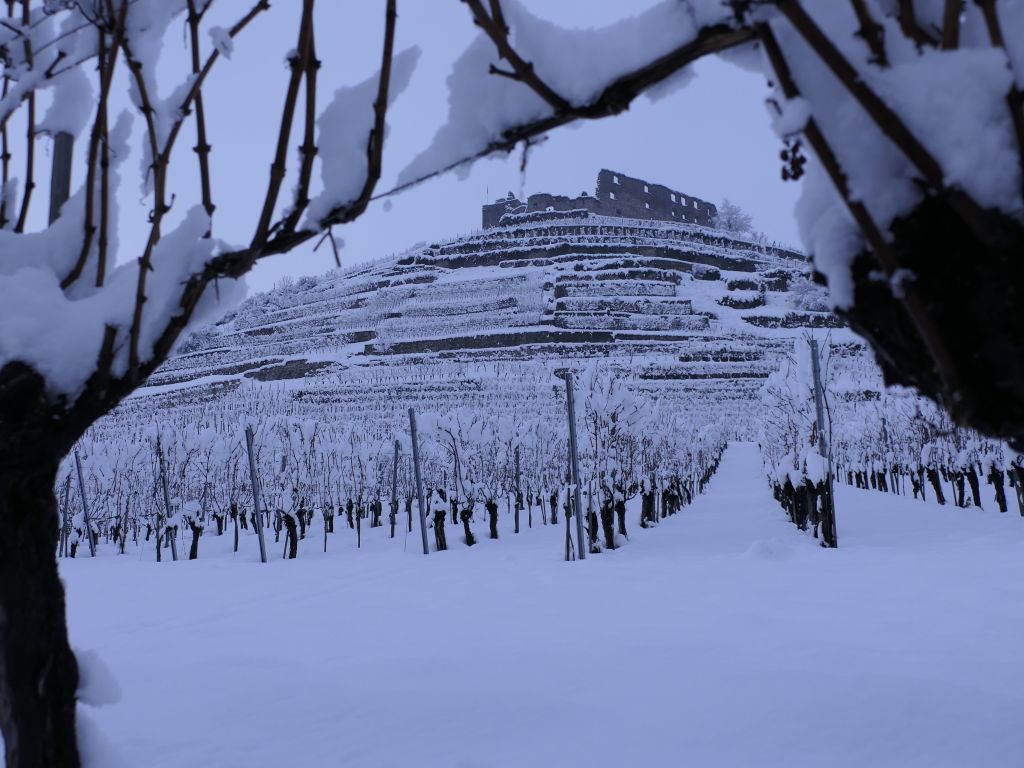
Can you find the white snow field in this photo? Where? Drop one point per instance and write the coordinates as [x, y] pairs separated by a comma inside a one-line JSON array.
[[723, 637]]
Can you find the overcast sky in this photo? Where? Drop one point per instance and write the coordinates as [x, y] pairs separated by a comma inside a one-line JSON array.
[[711, 139]]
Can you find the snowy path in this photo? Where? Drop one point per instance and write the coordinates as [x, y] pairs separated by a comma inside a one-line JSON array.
[[731, 515], [721, 638]]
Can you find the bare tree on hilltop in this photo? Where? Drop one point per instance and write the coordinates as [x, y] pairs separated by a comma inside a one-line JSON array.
[[913, 212], [732, 218]]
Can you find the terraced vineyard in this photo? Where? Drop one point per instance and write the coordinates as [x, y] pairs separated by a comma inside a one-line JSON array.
[[689, 314]]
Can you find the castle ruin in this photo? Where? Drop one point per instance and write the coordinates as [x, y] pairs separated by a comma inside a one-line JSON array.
[[616, 195]]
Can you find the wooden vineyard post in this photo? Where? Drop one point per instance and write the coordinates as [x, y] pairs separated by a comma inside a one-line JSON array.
[[65, 530], [408, 502], [60, 176], [167, 502], [394, 490], [828, 523], [419, 480], [519, 490], [254, 479], [85, 506], [574, 465]]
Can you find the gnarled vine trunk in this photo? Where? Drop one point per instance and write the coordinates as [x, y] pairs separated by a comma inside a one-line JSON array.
[[38, 671]]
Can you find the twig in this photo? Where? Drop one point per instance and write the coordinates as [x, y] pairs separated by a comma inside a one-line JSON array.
[[30, 138], [908, 24], [375, 142], [497, 30], [202, 148], [871, 32], [329, 236], [157, 160], [951, 25], [102, 244], [5, 151], [278, 168], [107, 62], [308, 150]]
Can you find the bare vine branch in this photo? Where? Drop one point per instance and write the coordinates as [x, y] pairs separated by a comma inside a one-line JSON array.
[[107, 62], [30, 137], [951, 25], [202, 147], [279, 166], [871, 32], [308, 150], [497, 30]]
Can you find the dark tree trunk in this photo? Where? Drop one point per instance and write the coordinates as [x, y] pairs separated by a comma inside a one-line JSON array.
[[470, 538], [958, 490], [647, 512], [439, 537], [972, 478], [193, 551], [811, 500], [608, 524], [1017, 479], [995, 477], [570, 550], [492, 516], [933, 478], [291, 536], [592, 532], [38, 671]]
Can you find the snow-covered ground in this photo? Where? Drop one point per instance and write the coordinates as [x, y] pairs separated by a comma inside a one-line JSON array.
[[723, 637]]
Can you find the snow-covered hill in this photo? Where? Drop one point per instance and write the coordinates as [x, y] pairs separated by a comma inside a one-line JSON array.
[[692, 315]]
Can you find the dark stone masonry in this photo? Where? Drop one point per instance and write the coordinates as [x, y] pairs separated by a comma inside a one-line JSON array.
[[616, 195]]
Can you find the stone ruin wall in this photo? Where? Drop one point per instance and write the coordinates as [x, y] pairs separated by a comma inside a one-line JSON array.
[[616, 195]]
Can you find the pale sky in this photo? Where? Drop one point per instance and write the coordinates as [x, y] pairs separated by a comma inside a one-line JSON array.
[[711, 139]]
